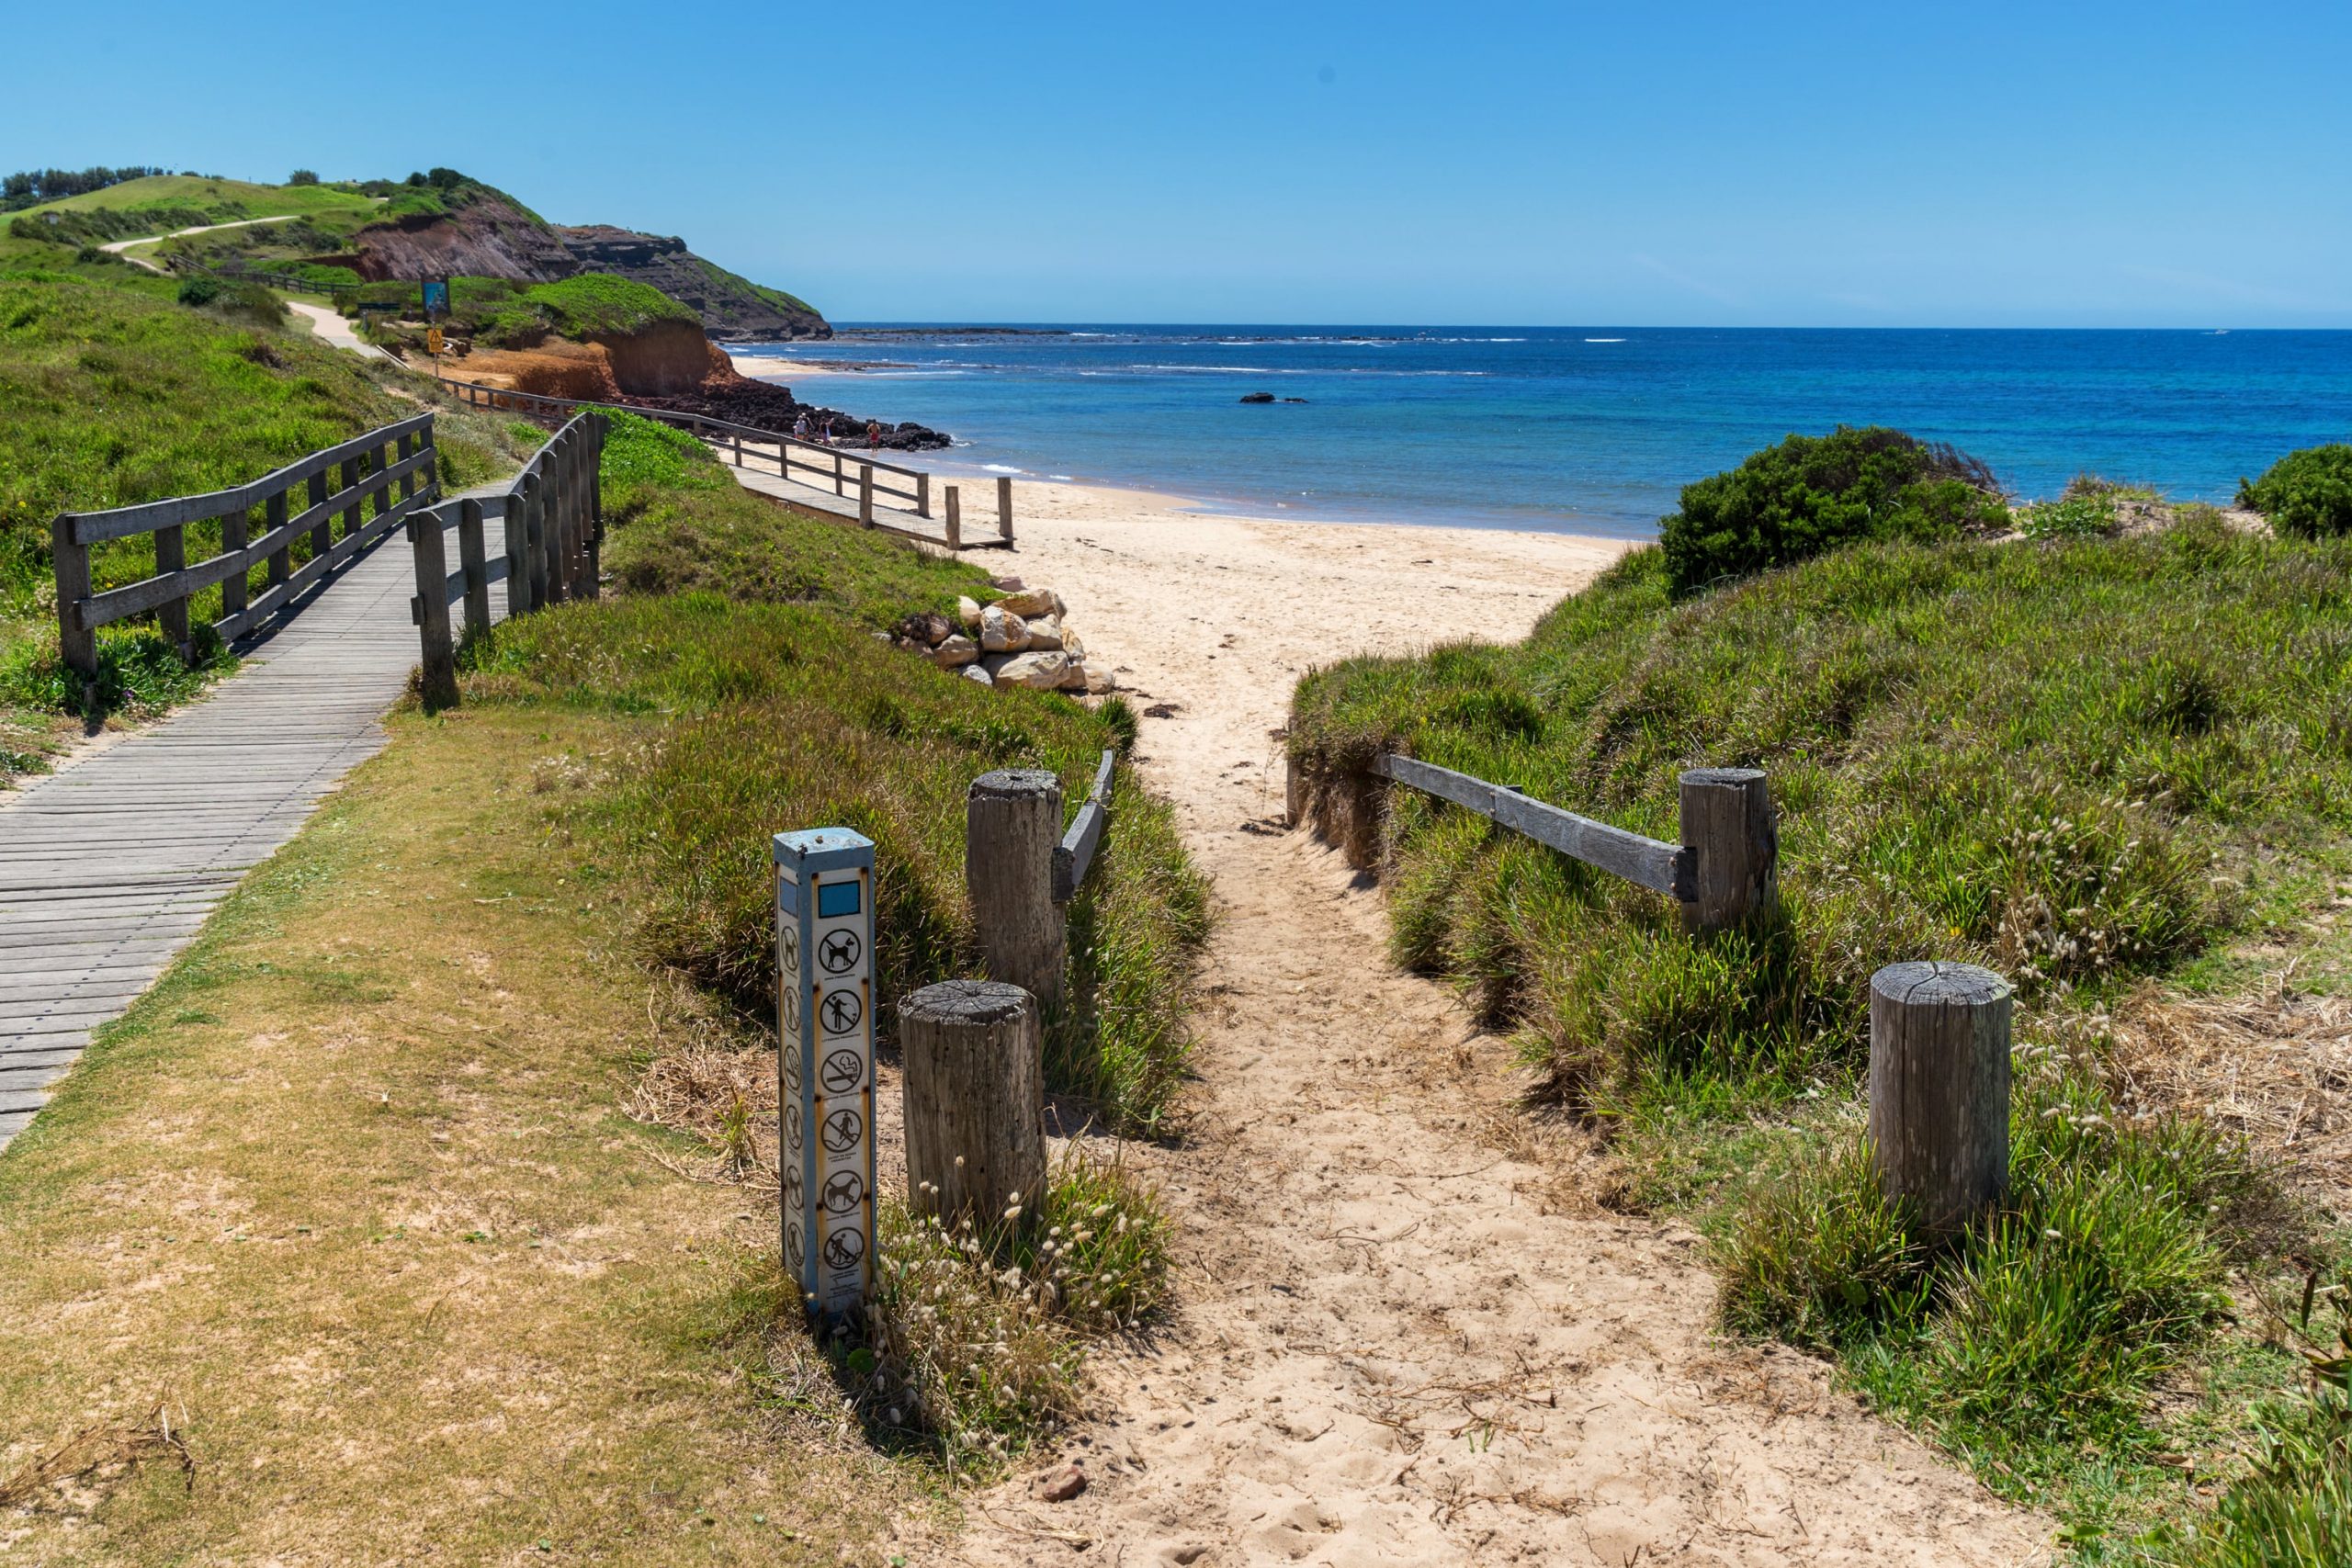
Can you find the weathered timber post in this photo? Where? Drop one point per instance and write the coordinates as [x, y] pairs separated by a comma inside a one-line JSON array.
[[512, 521], [1004, 506], [975, 1101], [824, 954], [316, 492], [535, 540], [1940, 1087], [955, 519], [839, 477], [922, 495], [597, 425], [1294, 790], [281, 559], [865, 496], [437, 666], [473, 558], [1728, 823], [171, 555], [1013, 821], [236, 533], [77, 645]]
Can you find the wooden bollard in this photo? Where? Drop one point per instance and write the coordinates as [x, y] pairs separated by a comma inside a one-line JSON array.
[[1727, 819], [955, 519], [865, 496], [1940, 1087], [974, 1087], [1004, 506], [1013, 820], [437, 665]]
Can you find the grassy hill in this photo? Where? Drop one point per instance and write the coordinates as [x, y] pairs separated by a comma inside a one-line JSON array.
[[2114, 769]]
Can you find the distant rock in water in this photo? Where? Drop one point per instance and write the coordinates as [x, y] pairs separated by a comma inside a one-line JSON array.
[[1257, 397], [1293, 400]]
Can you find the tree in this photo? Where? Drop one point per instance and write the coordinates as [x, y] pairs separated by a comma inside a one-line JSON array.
[[303, 178]]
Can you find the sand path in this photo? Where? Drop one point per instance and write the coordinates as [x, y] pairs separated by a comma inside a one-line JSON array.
[[1399, 1340], [122, 247]]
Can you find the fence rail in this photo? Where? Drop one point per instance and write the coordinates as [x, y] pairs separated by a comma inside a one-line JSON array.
[[553, 518], [1074, 856], [742, 445], [391, 469]]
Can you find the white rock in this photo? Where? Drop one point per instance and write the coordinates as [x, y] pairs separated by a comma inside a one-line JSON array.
[[1099, 679], [1039, 671], [968, 610], [974, 672], [1002, 631], [956, 651], [1029, 602], [1045, 632]]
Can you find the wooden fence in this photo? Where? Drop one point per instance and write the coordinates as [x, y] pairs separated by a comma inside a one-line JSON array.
[[367, 486], [746, 447], [553, 520]]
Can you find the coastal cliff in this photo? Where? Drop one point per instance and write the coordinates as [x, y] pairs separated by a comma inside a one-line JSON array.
[[733, 309]]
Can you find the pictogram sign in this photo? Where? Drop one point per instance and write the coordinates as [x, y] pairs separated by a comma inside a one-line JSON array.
[[824, 922]]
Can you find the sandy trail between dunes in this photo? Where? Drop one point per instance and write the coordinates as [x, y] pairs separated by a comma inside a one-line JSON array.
[[1400, 1339]]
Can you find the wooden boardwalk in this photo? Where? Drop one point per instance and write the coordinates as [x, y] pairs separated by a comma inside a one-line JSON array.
[[109, 865]]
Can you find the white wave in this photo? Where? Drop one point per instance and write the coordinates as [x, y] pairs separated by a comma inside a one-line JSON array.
[[1604, 340], [1066, 478], [1002, 468]]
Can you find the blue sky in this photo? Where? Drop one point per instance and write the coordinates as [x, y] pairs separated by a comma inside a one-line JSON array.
[[1736, 164]]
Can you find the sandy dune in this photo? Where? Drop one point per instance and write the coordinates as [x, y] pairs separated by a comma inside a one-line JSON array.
[[1401, 1340]]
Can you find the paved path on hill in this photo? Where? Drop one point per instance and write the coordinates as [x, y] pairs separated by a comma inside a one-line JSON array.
[[122, 247], [109, 865], [329, 327]]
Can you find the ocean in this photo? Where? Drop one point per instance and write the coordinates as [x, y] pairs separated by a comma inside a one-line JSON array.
[[1579, 429]]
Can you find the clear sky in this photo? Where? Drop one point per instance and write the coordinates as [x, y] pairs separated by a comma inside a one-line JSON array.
[[2102, 162]]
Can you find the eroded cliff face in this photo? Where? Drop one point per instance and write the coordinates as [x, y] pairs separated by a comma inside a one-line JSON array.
[[732, 308], [487, 237], [665, 359]]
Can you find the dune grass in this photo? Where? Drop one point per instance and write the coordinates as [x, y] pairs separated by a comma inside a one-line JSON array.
[[2088, 764]]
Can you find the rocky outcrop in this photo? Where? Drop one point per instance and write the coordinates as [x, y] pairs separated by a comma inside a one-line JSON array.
[[659, 359], [733, 309], [489, 236], [767, 406]]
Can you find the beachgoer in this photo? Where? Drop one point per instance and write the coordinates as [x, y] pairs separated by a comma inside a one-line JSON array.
[[873, 435], [800, 427]]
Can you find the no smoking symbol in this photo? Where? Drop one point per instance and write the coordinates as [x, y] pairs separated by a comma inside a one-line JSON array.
[[842, 1128], [843, 1071], [841, 1011], [843, 1191], [838, 952], [844, 1249]]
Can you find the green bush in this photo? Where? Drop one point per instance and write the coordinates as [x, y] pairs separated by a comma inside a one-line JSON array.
[[2307, 493], [1814, 493], [302, 177]]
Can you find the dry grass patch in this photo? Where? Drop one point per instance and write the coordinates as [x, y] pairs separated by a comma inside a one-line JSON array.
[[355, 1185]]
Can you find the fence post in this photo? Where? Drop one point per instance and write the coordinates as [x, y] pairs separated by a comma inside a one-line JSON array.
[[236, 533], [1940, 1087], [922, 495], [1004, 506], [471, 556], [597, 425], [322, 534], [1728, 822], [516, 527], [171, 555], [437, 666], [354, 516], [534, 545], [1013, 822], [824, 950], [975, 1089], [839, 479], [865, 496], [77, 645], [955, 520], [281, 559]]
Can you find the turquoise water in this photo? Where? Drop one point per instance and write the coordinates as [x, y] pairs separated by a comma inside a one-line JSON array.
[[1588, 429]]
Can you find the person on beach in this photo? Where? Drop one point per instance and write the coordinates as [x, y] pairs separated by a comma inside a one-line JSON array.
[[874, 436], [800, 427]]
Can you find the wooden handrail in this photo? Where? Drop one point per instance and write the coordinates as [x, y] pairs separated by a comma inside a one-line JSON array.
[[1074, 856]]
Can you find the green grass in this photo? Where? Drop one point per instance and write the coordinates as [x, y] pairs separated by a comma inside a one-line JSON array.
[[2086, 810], [598, 303]]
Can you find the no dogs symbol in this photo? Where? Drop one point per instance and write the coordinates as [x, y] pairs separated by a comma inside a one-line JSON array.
[[843, 1071], [838, 952], [792, 1244], [790, 948], [841, 1011], [792, 1188], [842, 1128], [844, 1190], [844, 1249]]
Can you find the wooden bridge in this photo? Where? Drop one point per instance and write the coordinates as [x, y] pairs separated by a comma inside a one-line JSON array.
[[109, 865]]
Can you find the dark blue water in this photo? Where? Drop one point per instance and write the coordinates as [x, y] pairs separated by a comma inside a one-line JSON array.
[[1589, 429]]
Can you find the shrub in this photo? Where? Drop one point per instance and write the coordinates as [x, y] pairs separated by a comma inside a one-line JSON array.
[[2307, 493], [1814, 493], [302, 177]]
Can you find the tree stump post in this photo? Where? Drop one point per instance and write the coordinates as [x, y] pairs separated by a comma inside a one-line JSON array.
[[975, 1101], [1004, 506], [1728, 822], [1940, 1087], [1013, 822], [436, 662], [865, 496]]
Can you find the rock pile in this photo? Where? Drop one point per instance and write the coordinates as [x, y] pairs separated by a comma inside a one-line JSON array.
[[1022, 639]]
